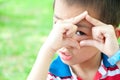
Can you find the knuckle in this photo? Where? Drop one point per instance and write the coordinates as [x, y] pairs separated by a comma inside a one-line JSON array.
[[110, 26]]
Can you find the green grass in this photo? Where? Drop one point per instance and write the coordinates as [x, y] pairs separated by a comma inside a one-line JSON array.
[[24, 25]]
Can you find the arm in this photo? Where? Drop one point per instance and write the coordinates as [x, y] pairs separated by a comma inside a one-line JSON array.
[[55, 41], [42, 63], [61, 35], [104, 38]]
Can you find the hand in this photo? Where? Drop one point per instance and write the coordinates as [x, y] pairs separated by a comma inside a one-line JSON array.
[[62, 32], [104, 37]]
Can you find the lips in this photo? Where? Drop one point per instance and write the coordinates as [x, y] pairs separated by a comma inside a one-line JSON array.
[[65, 56]]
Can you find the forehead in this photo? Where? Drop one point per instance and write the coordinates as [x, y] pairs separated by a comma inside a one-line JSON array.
[[65, 11]]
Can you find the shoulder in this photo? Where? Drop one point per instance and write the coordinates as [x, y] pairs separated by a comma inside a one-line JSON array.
[[108, 71]]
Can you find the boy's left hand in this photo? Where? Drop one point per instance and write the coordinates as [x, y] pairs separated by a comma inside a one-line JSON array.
[[104, 37]]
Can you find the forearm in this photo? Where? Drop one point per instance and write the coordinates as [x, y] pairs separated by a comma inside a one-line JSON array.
[[42, 63], [115, 59]]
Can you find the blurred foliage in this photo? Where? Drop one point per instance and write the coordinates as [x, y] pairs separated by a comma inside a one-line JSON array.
[[24, 25]]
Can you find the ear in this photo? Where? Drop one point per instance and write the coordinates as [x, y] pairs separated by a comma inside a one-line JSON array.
[[117, 30]]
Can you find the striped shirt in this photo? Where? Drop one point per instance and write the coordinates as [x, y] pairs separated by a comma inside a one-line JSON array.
[[60, 71]]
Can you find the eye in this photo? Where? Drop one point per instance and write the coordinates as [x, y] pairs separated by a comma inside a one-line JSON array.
[[80, 33]]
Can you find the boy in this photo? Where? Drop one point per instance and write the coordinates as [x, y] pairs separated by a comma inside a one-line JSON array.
[[87, 46]]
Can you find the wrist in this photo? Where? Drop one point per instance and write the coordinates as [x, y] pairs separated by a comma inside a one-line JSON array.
[[113, 60]]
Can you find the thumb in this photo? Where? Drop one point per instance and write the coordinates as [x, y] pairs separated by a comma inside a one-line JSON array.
[[93, 43]]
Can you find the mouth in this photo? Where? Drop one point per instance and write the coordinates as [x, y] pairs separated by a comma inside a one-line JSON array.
[[65, 56]]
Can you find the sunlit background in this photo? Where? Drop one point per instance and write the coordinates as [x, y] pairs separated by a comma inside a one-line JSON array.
[[24, 25]]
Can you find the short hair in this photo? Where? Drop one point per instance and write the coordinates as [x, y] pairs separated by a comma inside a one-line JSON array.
[[107, 10]]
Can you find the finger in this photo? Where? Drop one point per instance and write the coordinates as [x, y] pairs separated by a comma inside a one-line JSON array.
[[69, 42], [68, 29], [72, 30], [78, 18], [92, 43], [97, 35], [94, 21]]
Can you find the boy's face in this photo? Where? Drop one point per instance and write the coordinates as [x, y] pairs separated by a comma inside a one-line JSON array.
[[63, 11]]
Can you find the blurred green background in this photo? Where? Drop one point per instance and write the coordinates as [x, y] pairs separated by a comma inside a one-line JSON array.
[[24, 25]]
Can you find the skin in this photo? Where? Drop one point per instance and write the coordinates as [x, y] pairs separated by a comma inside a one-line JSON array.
[[77, 45]]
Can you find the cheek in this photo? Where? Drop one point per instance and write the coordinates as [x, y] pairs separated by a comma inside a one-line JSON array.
[[85, 53]]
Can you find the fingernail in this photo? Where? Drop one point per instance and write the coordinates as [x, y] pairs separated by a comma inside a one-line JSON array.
[[85, 12]]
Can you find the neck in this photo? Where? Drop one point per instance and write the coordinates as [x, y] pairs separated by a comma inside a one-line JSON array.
[[87, 68]]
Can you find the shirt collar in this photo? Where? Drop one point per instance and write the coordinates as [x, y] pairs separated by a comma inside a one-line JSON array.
[[58, 68]]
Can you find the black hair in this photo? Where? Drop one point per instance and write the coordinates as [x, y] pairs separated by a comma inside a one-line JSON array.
[[107, 10]]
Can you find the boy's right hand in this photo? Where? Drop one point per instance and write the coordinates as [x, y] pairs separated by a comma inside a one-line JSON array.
[[62, 33]]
